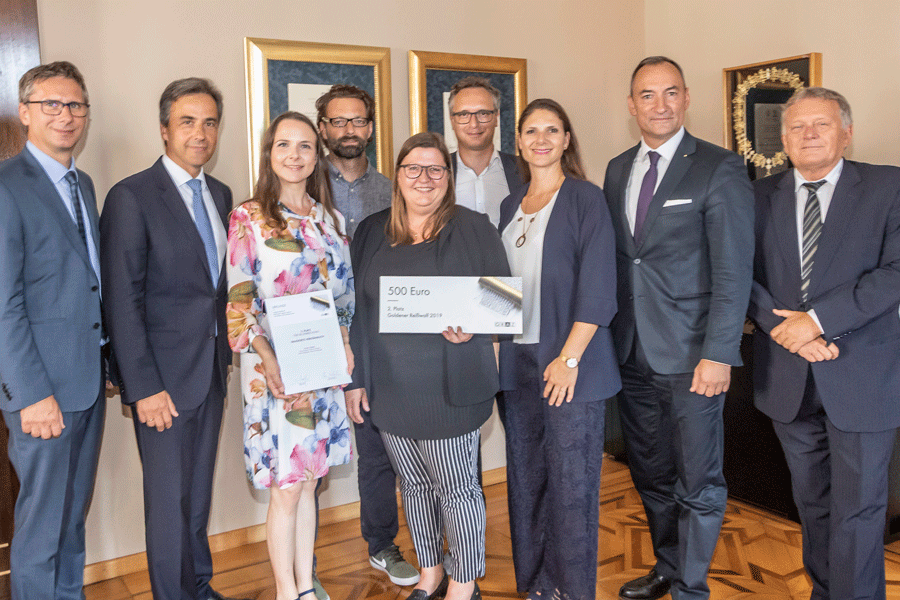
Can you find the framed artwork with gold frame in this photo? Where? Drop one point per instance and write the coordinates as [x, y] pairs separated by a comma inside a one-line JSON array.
[[432, 74], [287, 75], [753, 97]]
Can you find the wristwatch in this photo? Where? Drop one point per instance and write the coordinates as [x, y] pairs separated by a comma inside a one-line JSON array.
[[569, 361]]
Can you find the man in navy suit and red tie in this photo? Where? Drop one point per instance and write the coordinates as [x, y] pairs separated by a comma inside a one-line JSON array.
[[163, 235], [826, 352]]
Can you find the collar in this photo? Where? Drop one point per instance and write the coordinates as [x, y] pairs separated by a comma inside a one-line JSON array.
[[666, 151], [336, 174], [831, 178], [54, 170], [179, 175], [495, 158]]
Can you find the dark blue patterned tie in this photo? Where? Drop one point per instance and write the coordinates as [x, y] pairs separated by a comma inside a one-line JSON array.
[[648, 186], [204, 227], [76, 202]]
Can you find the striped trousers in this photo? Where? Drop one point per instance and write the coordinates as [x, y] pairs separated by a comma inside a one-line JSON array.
[[439, 484]]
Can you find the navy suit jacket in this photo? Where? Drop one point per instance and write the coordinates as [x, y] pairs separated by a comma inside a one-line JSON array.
[[510, 169], [49, 293], [684, 287], [578, 281], [854, 290], [162, 307]]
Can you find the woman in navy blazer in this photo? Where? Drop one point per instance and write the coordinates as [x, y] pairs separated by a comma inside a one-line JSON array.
[[557, 375]]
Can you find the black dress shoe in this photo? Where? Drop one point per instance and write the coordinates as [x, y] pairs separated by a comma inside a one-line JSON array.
[[214, 595], [649, 587], [440, 592]]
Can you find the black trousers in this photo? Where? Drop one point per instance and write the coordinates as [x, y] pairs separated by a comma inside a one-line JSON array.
[[377, 488]]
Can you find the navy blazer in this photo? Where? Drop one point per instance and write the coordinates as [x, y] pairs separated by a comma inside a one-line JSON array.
[[578, 283], [49, 292], [163, 310], [854, 290], [684, 287]]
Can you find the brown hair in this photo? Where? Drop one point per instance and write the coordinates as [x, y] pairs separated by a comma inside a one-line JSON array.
[[62, 68], [571, 157], [473, 81], [341, 90], [397, 227], [268, 188], [650, 61], [186, 87]]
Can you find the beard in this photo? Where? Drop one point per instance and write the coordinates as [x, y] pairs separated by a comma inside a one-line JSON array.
[[343, 148]]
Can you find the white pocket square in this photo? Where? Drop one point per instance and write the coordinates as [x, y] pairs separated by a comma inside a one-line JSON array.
[[677, 202]]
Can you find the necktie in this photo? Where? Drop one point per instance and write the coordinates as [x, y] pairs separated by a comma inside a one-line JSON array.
[[201, 220], [812, 229], [76, 202], [646, 195]]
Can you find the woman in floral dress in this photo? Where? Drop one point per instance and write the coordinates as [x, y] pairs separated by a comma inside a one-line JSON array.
[[288, 239]]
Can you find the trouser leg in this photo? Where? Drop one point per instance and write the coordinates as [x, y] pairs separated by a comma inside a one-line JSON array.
[[377, 488], [206, 443]]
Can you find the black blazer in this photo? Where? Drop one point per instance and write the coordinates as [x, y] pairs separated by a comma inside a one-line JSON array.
[[510, 169], [854, 290], [162, 308]]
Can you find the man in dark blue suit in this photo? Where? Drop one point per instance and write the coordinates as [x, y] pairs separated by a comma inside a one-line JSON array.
[[827, 349], [683, 213], [164, 238], [50, 358]]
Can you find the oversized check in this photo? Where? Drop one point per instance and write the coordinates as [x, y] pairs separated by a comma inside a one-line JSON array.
[[431, 304], [308, 342]]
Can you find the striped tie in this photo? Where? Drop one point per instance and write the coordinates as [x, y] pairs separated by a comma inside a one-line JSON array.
[[72, 179], [812, 229]]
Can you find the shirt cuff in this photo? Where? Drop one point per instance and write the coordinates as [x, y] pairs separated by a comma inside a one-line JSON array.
[[812, 313]]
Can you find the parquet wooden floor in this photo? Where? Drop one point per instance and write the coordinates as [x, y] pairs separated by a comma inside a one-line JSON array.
[[758, 556]]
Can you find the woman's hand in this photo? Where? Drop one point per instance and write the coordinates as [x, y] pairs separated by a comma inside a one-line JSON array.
[[271, 369], [457, 336], [356, 399], [560, 382]]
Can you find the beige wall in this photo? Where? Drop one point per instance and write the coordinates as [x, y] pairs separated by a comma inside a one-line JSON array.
[[857, 39], [579, 52]]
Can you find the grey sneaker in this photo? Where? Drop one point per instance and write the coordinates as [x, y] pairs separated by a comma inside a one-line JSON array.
[[391, 561], [321, 594]]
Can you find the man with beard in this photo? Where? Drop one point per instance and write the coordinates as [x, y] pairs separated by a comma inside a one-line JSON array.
[[346, 116]]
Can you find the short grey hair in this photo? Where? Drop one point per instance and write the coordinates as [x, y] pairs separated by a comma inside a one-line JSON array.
[[186, 87], [62, 68], [473, 81], [821, 94]]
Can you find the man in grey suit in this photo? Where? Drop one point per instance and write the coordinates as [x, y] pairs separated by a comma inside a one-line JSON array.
[[683, 213], [50, 323], [827, 349]]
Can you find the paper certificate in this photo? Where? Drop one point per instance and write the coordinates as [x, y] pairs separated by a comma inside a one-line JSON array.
[[308, 342], [431, 304]]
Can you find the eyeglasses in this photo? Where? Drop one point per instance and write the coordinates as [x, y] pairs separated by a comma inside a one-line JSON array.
[[435, 172], [463, 117], [341, 122], [55, 107]]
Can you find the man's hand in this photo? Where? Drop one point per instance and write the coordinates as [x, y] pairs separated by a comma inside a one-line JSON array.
[[818, 350], [711, 378], [797, 329], [354, 399], [43, 419], [157, 411]]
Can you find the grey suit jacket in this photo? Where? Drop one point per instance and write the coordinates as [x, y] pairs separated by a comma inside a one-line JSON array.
[[163, 310], [684, 288], [49, 294], [854, 289]]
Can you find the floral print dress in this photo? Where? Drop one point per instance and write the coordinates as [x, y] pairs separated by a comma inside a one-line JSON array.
[[286, 442]]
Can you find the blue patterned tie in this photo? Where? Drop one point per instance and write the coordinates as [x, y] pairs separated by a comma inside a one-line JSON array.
[[76, 202], [201, 219]]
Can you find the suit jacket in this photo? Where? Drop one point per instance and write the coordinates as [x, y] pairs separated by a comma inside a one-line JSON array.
[[49, 293], [577, 284], [510, 169], [163, 308], [684, 288], [854, 290]]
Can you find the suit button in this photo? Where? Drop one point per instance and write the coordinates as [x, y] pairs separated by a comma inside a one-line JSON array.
[[94, 288], [96, 325], [631, 297], [637, 261]]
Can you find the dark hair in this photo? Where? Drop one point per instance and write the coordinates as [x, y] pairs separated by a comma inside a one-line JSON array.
[[397, 227], [186, 87], [267, 191], [62, 68], [473, 81], [654, 60], [571, 156], [341, 90]]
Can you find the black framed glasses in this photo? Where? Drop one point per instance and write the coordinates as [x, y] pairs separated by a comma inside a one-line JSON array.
[[413, 171], [55, 107], [482, 116], [341, 122]]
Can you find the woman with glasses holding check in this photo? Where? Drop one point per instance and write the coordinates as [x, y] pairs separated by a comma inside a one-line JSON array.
[[428, 394]]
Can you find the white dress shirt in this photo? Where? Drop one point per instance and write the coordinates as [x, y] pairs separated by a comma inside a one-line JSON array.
[[642, 165], [482, 193]]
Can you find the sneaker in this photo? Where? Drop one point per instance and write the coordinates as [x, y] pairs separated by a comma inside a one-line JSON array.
[[391, 561], [321, 594]]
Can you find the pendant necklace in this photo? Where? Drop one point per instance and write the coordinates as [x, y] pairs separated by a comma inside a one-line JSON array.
[[520, 241]]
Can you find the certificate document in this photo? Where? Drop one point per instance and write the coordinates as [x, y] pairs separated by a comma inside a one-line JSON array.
[[431, 304], [308, 342]]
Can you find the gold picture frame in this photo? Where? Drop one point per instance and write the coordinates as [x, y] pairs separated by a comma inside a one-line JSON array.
[[273, 66], [431, 74], [752, 95]]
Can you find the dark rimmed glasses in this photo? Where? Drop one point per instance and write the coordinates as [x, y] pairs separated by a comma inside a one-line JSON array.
[[413, 171], [482, 116], [341, 122], [53, 108]]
